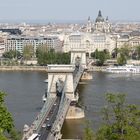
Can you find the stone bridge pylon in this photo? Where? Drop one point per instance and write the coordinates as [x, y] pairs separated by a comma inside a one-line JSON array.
[[78, 57]]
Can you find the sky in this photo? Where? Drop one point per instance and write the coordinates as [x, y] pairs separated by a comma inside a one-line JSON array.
[[66, 10]]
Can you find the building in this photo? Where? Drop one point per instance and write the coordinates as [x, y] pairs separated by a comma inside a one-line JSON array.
[[19, 42], [101, 25], [90, 42], [2, 49], [131, 39]]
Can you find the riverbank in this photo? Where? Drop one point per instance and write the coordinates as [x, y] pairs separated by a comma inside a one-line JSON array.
[[41, 68], [23, 68]]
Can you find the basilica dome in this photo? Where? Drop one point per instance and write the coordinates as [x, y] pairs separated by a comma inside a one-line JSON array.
[[99, 18]]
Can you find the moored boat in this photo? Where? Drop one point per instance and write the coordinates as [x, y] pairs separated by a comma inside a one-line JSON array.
[[123, 69]]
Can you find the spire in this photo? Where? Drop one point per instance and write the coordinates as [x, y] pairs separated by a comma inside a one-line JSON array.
[[99, 14], [107, 18], [89, 18]]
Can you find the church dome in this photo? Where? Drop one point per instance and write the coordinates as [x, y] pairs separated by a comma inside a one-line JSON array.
[[99, 18]]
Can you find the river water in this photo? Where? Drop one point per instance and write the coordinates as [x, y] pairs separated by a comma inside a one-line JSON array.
[[25, 91]]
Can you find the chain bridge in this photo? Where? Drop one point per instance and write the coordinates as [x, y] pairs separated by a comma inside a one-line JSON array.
[[61, 99]]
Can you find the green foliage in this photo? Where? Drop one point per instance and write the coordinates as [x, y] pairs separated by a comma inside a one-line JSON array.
[[95, 54], [121, 60], [2, 137], [6, 121], [122, 121], [138, 52], [125, 50], [28, 52], [88, 133], [107, 54], [11, 54], [14, 135], [52, 57], [101, 58]]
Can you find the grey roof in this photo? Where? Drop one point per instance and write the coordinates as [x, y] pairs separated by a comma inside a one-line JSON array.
[[135, 33], [125, 36]]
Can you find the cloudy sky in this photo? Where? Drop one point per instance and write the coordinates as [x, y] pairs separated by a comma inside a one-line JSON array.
[[69, 9]]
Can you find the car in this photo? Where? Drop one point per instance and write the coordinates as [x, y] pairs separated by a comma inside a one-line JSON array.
[[44, 125], [54, 104], [51, 112], [47, 118], [48, 126]]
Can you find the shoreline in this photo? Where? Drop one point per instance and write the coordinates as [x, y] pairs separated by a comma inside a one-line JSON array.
[[44, 68], [23, 68]]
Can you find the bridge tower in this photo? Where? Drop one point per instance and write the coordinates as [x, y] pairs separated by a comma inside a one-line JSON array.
[[78, 56], [62, 73]]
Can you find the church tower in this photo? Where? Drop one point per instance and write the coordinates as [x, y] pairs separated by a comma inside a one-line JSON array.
[[89, 25], [102, 25]]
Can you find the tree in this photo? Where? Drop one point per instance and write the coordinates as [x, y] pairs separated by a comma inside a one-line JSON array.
[[6, 121], [52, 57], [121, 121], [121, 60], [101, 58], [138, 52], [28, 52], [14, 135], [12, 54], [88, 133], [125, 50]]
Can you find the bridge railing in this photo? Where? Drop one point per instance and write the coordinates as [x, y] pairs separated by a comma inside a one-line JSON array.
[[46, 108], [56, 128], [61, 107], [36, 125], [78, 76]]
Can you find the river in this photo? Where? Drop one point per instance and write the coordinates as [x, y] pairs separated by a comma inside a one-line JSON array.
[[25, 91]]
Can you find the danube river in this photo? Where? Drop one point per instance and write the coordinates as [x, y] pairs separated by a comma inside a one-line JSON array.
[[25, 91]]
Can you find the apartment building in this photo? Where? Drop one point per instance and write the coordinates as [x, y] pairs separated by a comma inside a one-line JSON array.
[[19, 42]]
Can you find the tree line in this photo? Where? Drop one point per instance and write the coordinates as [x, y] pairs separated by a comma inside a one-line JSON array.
[[120, 54], [43, 54], [46, 55], [51, 57]]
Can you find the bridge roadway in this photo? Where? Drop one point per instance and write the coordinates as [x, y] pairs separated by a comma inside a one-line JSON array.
[[46, 127]]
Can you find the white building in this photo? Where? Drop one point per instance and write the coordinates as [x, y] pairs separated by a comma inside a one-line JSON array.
[[101, 25], [2, 49], [90, 42], [132, 39], [19, 42]]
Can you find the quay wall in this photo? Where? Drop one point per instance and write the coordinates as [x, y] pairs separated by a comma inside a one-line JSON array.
[[23, 68], [41, 68]]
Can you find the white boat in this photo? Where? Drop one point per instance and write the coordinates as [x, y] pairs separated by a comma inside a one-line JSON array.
[[46, 81], [123, 69]]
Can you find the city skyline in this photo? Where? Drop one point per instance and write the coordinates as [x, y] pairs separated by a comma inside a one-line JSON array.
[[44, 10]]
